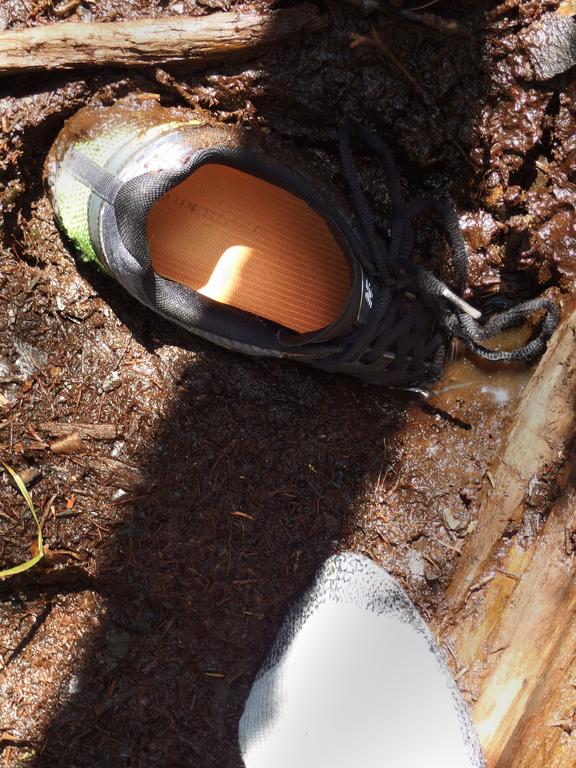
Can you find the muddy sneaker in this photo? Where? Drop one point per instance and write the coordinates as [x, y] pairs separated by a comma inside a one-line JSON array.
[[239, 240], [355, 680]]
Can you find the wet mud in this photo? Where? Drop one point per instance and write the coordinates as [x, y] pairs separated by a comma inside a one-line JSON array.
[[182, 530]]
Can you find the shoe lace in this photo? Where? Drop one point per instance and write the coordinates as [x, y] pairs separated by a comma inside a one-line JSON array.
[[399, 325]]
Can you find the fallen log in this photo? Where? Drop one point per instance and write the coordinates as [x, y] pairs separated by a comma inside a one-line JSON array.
[[512, 604], [542, 428], [196, 41], [519, 647], [553, 722], [537, 643]]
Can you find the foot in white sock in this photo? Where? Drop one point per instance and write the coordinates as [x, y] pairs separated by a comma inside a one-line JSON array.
[[355, 680]]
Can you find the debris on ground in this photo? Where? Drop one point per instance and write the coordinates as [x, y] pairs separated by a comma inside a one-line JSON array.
[[197, 490]]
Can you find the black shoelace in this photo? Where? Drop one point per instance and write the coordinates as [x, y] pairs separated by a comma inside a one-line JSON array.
[[399, 323]]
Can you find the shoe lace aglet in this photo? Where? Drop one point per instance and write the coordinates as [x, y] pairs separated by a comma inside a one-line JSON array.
[[460, 303]]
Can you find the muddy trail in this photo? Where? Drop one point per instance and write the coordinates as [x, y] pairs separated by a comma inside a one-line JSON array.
[[204, 488]]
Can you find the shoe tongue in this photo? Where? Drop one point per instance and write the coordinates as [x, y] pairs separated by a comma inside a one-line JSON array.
[[355, 313]]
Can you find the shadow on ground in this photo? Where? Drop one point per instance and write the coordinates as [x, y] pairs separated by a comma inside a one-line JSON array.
[[235, 477]]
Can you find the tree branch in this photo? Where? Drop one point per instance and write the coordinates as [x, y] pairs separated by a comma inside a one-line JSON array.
[[195, 41]]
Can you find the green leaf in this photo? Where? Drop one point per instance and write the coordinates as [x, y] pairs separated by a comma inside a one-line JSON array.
[[5, 574]]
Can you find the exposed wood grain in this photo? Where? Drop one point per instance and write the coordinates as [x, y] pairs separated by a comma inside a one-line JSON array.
[[542, 427], [515, 636], [195, 40], [525, 655], [548, 733]]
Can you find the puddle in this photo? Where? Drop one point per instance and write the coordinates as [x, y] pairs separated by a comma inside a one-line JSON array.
[[464, 380], [490, 385]]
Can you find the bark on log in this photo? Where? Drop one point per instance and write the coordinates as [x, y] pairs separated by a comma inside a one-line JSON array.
[[515, 631], [196, 41]]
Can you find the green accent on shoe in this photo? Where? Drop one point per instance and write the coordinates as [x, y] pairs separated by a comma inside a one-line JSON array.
[[70, 196]]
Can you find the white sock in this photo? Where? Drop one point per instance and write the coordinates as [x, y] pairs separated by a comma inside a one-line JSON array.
[[355, 680]]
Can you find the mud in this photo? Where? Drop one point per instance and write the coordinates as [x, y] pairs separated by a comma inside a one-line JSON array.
[[230, 478]]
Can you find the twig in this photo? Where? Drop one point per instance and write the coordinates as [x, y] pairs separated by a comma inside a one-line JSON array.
[[30, 634], [192, 40], [481, 583], [425, 5], [376, 40], [460, 673], [448, 546], [94, 431], [398, 64], [510, 575], [449, 27]]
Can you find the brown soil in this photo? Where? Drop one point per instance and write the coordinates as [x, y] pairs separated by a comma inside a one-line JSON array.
[[224, 481]]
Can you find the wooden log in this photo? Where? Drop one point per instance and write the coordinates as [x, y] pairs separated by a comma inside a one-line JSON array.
[[197, 41], [528, 650], [541, 430], [519, 642], [549, 733], [513, 602]]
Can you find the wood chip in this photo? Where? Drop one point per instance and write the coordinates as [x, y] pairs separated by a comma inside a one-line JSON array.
[[116, 473], [4, 401], [71, 444], [94, 431], [481, 584], [66, 9], [30, 474]]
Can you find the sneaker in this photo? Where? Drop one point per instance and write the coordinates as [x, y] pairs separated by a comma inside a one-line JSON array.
[[241, 240], [354, 679]]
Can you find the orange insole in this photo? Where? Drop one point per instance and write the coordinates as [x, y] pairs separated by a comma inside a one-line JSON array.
[[249, 244]]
